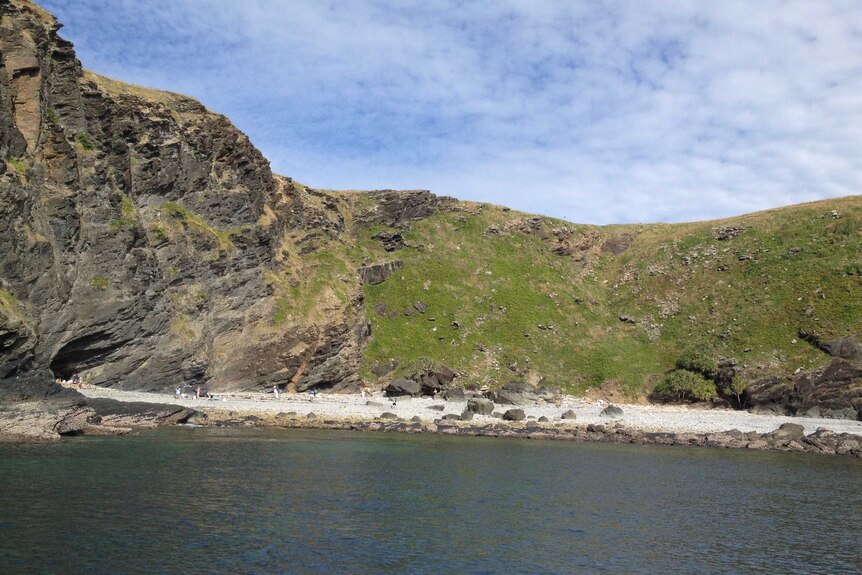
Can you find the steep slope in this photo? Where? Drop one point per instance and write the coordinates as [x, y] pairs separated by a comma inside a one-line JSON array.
[[144, 236], [520, 297], [146, 244]]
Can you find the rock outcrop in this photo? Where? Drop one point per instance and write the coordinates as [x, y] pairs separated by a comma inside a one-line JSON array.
[[147, 244]]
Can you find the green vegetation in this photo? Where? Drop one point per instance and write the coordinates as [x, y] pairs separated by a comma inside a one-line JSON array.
[[52, 118], [85, 142], [505, 306], [9, 306], [99, 282], [129, 216], [19, 166], [698, 360], [196, 223], [684, 384]]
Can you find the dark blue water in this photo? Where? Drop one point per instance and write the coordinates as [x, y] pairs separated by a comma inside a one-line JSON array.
[[243, 501]]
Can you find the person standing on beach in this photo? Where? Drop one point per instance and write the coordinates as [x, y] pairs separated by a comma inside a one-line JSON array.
[[198, 392], [275, 390]]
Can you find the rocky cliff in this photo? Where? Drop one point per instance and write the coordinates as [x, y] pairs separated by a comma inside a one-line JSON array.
[[145, 243]]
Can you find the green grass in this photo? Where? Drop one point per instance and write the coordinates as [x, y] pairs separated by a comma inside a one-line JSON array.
[[683, 288], [9, 306], [128, 214], [85, 142], [99, 282], [190, 219], [19, 166]]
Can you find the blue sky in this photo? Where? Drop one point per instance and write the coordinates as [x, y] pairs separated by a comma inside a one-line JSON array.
[[596, 112]]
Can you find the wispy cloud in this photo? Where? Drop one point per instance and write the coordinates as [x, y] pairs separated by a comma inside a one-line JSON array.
[[596, 112]]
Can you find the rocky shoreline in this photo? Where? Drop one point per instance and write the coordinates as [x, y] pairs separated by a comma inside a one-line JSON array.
[[788, 437], [100, 411]]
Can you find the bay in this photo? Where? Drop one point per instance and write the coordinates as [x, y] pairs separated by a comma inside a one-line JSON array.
[[311, 501]]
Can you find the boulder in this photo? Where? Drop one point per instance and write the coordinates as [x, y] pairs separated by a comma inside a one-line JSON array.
[[377, 273], [612, 411], [543, 419], [789, 431], [435, 380], [387, 415], [437, 407], [452, 416], [403, 386], [845, 348], [453, 394], [833, 389], [514, 415], [480, 406], [570, 414], [466, 415]]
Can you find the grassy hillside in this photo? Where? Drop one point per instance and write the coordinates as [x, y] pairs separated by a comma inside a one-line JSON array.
[[613, 305]]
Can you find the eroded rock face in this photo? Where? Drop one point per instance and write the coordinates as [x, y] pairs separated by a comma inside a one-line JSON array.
[[834, 391], [147, 244]]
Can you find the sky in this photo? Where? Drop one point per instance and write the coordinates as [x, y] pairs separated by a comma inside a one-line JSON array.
[[592, 111]]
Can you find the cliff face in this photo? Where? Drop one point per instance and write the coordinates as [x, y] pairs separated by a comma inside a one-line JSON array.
[[145, 239], [145, 243]]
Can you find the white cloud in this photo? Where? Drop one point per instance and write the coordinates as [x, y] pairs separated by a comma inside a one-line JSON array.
[[597, 112]]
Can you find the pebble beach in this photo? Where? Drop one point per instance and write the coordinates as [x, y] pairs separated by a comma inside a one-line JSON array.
[[647, 418]]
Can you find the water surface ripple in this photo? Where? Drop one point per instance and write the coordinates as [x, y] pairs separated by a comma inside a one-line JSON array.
[[265, 501]]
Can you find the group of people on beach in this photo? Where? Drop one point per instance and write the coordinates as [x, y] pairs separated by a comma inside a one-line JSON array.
[[185, 392]]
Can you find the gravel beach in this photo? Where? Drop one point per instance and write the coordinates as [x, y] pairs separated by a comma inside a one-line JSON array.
[[650, 418]]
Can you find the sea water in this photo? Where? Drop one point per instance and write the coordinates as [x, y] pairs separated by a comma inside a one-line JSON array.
[[299, 501]]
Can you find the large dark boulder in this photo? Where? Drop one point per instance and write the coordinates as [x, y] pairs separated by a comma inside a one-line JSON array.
[[612, 411], [377, 273], [480, 406], [514, 415], [435, 380], [845, 348], [403, 386], [835, 390]]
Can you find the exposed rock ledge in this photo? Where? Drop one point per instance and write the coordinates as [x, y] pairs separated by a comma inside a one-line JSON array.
[[51, 420], [788, 437]]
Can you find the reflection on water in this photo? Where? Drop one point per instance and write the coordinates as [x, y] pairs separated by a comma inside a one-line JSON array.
[[263, 501]]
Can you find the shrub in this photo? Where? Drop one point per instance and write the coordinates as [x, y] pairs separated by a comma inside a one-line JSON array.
[[85, 141], [51, 117], [699, 360], [684, 384], [99, 282]]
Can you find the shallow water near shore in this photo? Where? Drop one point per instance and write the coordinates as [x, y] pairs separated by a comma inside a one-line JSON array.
[[311, 501]]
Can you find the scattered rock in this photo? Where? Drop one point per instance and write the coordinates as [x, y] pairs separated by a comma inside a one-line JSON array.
[[612, 411], [403, 386], [437, 407], [391, 241], [466, 415], [377, 273], [542, 419], [420, 306], [514, 415], [381, 309], [480, 406], [728, 232], [387, 415], [570, 414], [454, 394]]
